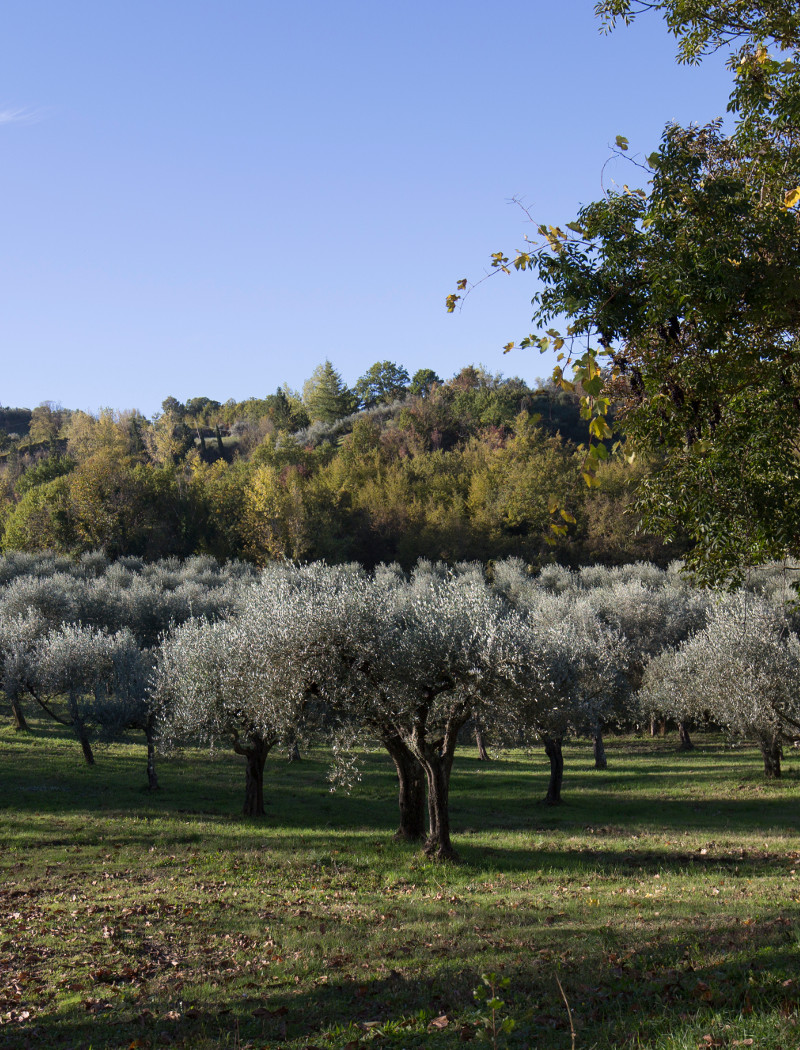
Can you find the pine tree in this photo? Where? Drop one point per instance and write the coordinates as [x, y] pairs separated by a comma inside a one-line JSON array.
[[325, 395]]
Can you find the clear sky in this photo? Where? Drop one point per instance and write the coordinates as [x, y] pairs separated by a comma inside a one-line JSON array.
[[210, 198]]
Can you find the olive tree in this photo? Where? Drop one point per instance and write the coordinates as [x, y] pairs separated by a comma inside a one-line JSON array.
[[73, 668], [651, 612], [743, 669], [252, 679], [568, 675], [438, 655], [18, 636]]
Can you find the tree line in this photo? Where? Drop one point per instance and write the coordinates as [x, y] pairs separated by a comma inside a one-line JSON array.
[[475, 467], [192, 652]]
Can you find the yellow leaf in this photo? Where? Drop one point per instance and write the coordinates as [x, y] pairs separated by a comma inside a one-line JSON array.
[[792, 197]]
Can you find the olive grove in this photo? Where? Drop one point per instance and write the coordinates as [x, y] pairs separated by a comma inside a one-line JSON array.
[[226, 656]]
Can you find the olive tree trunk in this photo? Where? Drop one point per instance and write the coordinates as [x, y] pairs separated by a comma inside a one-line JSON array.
[[255, 753], [552, 748], [152, 775], [480, 740], [410, 789], [600, 760], [773, 752], [17, 713], [86, 747], [685, 741], [438, 844], [658, 726], [437, 762]]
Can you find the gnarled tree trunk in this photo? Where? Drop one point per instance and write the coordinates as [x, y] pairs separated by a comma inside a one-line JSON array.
[[773, 752], [552, 747], [437, 761], [410, 789], [255, 752], [438, 844]]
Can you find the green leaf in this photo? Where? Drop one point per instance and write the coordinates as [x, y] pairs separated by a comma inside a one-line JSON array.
[[599, 428], [621, 142]]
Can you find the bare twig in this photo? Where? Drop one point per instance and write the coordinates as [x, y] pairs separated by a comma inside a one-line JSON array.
[[569, 1012]]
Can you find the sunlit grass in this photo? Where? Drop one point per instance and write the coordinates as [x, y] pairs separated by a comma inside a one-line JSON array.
[[663, 894]]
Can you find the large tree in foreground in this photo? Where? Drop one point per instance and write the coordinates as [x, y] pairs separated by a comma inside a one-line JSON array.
[[686, 291]]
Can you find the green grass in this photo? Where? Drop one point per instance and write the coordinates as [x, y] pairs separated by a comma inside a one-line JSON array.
[[663, 894]]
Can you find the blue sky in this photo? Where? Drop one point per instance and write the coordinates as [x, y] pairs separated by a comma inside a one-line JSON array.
[[208, 198]]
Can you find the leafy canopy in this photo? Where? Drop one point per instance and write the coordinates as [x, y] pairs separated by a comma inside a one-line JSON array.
[[682, 298]]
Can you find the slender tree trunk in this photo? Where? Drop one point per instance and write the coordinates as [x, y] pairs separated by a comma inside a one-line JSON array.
[[86, 747], [152, 776], [685, 741], [17, 713], [552, 747], [293, 752], [79, 727], [480, 740], [411, 790], [773, 752], [220, 446], [600, 760], [658, 726]]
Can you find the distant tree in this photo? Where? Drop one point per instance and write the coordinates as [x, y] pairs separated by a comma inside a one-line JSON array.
[[173, 408], [422, 381], [53, 466], [42, 519], [325, 395], [383, 383], [46, 422]]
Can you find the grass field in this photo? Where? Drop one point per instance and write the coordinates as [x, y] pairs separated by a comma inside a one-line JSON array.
[[663, 894]]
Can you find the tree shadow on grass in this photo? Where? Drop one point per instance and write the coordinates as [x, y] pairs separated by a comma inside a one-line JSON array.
[[618, 994]]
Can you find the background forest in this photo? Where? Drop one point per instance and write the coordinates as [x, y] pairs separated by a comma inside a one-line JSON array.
[[397, 468]]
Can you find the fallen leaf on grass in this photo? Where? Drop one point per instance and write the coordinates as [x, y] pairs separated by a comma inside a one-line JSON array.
[[702, 991], [439, 1022], [742, 1042], [262, 1011]]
